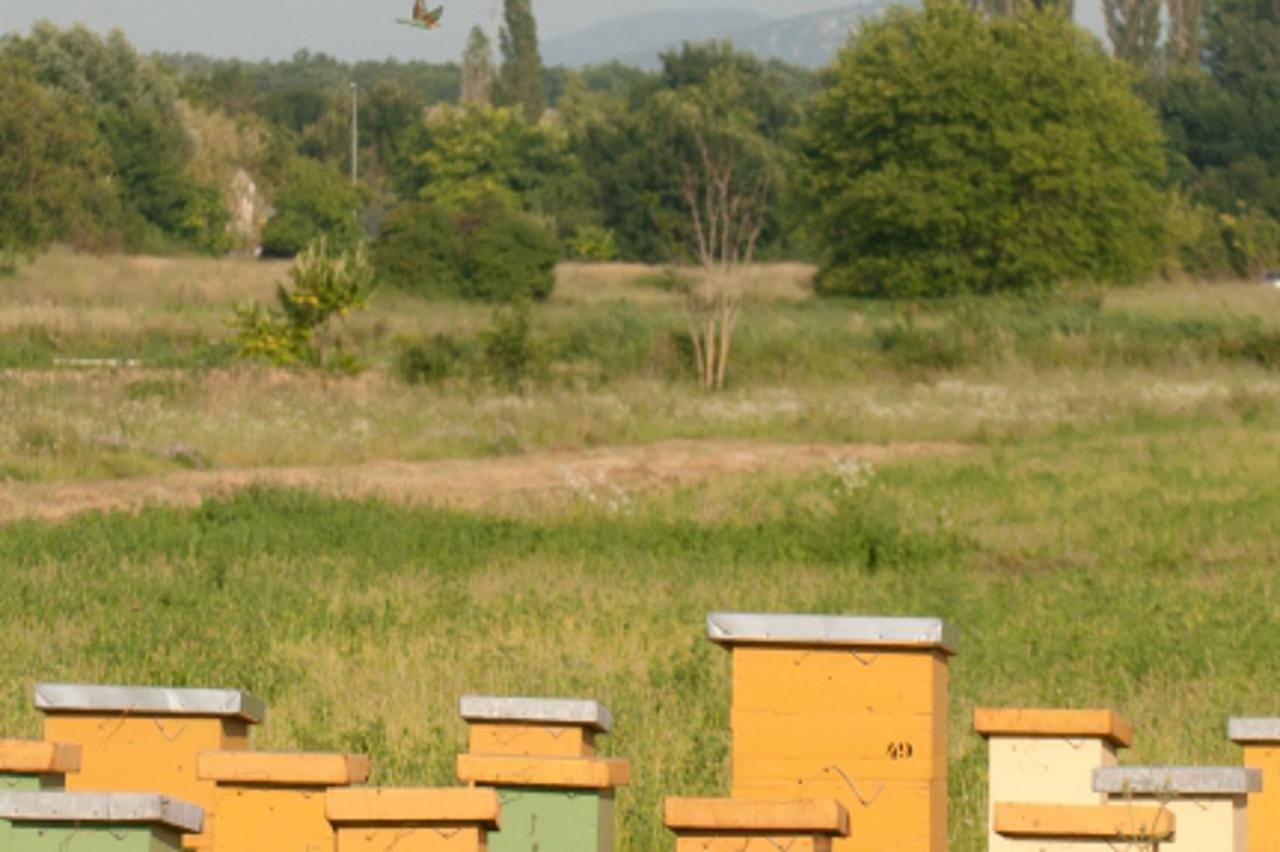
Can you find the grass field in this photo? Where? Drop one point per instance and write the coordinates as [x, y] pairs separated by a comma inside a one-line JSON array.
[[1107, 537]]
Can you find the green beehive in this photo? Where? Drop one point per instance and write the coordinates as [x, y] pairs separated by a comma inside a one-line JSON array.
[[32, 766], [96, 822], [539, 755], [548, 819]]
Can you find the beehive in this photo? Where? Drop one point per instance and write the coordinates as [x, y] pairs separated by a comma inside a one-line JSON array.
[[1208, 803], [1261, 741], [1046, 757], [146, 739], [755, 825], [843, 707], [97, 822], [539, 755], [1077, 828], [270, 801], [411, 820], [31, 766]]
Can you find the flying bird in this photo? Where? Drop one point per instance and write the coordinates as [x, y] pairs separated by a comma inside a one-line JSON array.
[[423, 18]]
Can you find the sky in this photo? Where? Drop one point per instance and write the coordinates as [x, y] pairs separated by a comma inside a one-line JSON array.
[[355, 29]]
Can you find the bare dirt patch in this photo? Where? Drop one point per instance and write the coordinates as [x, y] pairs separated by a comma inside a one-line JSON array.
[[457, 483]]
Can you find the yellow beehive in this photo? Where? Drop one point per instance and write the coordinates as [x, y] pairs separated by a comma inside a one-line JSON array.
[[755, 825], [850, 708], [1207, 802], [35, 765], [421, 820], [1074, 828], [270, 801], [146, 739], [1046, 756], [1261, 741]]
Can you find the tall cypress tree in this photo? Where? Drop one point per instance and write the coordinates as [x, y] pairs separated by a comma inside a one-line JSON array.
[[1186, 21], [521, 79], [1134, 29], [477, 69]]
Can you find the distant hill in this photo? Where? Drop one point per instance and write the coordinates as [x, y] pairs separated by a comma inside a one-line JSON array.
[[810, 40], [644, 35]]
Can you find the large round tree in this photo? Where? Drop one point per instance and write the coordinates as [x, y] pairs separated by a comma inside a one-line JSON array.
[[953, 153]]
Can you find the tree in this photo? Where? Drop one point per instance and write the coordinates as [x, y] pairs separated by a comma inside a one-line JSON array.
[[637, 157], [1184, 42], [1133, 26], [50, 175], [477, 69], [316, 202], [955, 153], [134, 106], [474, 153], [521, 77]]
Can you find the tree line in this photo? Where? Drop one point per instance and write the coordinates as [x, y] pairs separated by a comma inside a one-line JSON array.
[[959, 147]]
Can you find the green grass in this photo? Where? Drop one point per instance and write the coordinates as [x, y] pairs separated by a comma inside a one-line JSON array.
[[1126, 563]]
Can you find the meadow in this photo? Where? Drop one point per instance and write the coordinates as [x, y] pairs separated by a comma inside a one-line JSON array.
[[1102, 530]]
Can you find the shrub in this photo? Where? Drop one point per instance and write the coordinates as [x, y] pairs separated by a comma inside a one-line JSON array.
[[315, 202], [434, 360], [420, 251], [299, 331], [507, 345], [486, 252]]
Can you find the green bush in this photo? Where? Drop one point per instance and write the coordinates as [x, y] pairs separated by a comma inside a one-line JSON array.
[[420, 251], [486, 252], [316, 202], [507, 345], [432, 361]]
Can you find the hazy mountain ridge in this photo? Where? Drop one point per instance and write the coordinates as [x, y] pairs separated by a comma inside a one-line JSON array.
[[810, 40], [645, 34]]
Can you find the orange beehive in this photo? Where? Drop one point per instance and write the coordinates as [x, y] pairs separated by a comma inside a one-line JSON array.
[[146, 739], [422, 820], [269, 801], [755, 825], [1261, 741], [845, 707]]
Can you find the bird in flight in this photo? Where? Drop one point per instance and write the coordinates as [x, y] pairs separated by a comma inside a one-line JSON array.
[[423, 18]]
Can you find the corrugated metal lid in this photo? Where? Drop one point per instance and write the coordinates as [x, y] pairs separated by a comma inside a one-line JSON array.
[[1254, 730], [1177, 780], [87, 698], [761, 628], [140, 808], [551, 711]]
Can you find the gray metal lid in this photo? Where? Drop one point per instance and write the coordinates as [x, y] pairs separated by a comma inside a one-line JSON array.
[[84, 698], [729, 628], [1177, 780], [552, 711], [1254, 730], [140, 808]]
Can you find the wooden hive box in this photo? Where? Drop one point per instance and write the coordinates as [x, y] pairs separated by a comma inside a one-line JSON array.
[[269, 801], [97, 822], [1261, 741], [539, 755], [412, 820], [844, 707], [147, 739], [1207, 802], [1076, 828], [31, 766], [755, 825], [1046, 757]]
